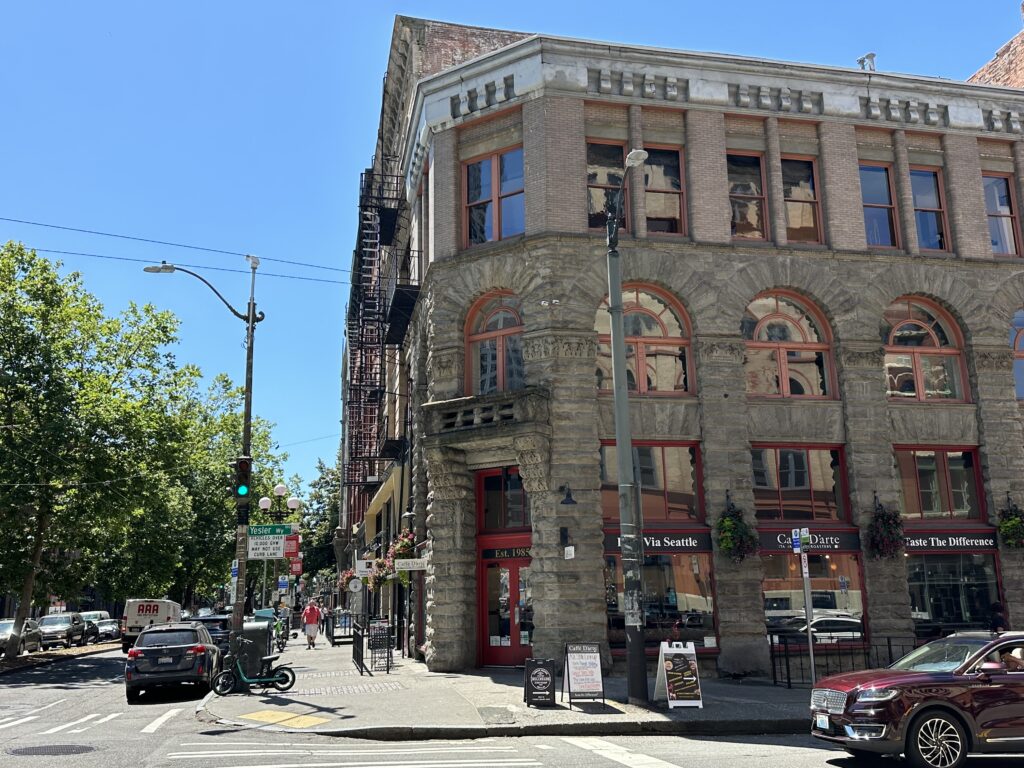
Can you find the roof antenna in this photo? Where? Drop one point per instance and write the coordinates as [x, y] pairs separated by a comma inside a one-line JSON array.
[[867, 61]]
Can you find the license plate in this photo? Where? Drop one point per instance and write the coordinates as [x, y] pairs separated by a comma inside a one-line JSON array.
[[169, 660], [821, 722]]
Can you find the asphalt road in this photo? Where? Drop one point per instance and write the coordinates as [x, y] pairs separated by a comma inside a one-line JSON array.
[[74, 713]]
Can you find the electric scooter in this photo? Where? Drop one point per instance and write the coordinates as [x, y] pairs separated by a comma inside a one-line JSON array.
[[281, 677]]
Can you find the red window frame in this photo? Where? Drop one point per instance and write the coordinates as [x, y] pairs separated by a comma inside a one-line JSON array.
[[624, 226], [488, 534], [897, 243], [681, 194], [957, 349], [946, 487], [781, 347], [816, 202], [763, 197], [496, 196], [940, 187], [639, 342], [612, 524], [500, 335], [1012, 216], [842, 493]]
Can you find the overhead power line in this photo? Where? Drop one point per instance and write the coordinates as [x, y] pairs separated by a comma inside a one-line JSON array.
[[168, 243]]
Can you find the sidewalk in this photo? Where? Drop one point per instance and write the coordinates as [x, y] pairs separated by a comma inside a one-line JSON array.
[[411, 703]]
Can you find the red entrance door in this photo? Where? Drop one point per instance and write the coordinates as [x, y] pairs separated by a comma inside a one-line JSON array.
[[506, 607]]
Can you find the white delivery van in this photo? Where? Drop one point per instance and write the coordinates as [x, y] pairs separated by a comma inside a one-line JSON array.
[[139, 614]]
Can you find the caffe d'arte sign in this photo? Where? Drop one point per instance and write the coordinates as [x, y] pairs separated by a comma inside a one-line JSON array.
[[821, 541]]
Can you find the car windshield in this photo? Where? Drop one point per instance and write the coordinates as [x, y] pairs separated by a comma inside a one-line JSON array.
[[54, 621], [6, 626], [106, 623], [172, 637], [941, 655], [217, 625]]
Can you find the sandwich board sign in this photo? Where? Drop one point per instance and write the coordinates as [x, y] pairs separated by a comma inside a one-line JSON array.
[[678, 682], [581, 672], [539, 683]]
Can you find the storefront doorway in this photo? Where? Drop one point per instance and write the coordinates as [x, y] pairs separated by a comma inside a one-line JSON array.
[[504, 596]]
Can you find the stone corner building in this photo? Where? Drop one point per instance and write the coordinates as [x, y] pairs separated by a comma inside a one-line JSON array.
[[823, 292]]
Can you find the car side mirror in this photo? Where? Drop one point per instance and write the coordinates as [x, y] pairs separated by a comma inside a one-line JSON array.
[[992, 668]]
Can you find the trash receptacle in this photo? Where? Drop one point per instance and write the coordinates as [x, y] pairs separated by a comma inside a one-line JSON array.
[[261, 633]]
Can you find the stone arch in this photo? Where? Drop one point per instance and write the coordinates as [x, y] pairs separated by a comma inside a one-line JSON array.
[[1006, 301]]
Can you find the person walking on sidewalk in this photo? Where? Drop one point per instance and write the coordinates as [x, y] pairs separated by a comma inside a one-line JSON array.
[[311, 623]]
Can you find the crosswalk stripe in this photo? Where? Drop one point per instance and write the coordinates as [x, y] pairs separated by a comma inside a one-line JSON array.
[[513, 763], [333, 752], [616, 753], [151, 728], [19, 722], [59, 728], [106, 719], [40, 709]]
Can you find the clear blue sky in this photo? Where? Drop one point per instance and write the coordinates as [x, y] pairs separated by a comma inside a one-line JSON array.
[[243, 126]]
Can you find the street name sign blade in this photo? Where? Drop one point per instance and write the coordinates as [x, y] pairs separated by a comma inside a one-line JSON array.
[[270, 530]]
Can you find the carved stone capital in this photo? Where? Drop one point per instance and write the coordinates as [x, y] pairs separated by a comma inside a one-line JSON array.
[[862, 356], [446, 470], [993, 359], [551, 346], [712, 351], [533, 453]]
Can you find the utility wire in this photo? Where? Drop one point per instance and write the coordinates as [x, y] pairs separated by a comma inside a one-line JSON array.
[[165, 242]]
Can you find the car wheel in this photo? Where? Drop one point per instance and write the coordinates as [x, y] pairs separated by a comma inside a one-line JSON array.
[[936, 740], [125, 648], [21, 648], [67, 642], [132, 694]]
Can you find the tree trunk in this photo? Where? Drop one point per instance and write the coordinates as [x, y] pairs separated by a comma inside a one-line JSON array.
[[42, 521]]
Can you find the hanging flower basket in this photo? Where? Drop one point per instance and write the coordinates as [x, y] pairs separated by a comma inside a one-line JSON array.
[[1011, 524], [345, 577], [382, 569], [736, 539], [402, 548], [885, 532]]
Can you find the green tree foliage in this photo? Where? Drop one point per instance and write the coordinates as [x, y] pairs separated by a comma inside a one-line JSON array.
[[320, 518]]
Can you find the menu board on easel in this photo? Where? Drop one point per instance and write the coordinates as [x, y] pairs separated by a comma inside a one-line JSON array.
[[678, 682], [581, 672]]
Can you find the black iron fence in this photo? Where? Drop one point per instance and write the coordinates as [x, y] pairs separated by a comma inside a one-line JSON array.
[[339, 625], [377, 636], [358, 631], [791, 664]]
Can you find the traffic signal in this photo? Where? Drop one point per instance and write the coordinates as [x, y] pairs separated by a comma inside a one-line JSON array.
[[243, 480]]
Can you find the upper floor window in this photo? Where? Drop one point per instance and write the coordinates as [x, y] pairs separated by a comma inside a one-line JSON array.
[[663, 185], [938, 483], [800, 191], [929, 209], [605, 165], [667, 476], [657, 335], [501, 500], [798, 483], [747, 196], [494, 339], [1017, 343], [788, 351], [1002, 213], [494, 207], [923, 353], [879, 209]]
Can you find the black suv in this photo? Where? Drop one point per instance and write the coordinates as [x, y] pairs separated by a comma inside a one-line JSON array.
[[63, 629], [166, 654], [219, 628]]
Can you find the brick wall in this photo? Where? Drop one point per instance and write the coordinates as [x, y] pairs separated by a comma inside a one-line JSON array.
[[444, 45], [555, 165], [1006, 67], [707, 177], [839, 175]]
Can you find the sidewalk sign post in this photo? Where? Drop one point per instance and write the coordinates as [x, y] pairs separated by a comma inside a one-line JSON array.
[[801, 542]]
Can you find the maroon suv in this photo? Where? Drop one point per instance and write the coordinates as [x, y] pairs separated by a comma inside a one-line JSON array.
[[961, 694]]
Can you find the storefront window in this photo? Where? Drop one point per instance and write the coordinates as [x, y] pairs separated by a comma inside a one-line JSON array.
[[951, 591], [798, 483], [678, 599], [836, 586], [667, 477], [938, 484]]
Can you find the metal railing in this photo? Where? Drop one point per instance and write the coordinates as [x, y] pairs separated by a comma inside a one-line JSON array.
[[358, 632], [791, 664]]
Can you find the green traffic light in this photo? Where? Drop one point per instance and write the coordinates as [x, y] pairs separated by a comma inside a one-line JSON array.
[[243, 490]]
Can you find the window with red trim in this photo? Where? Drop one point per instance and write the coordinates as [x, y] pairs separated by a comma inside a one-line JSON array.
[[494, 341], [938, 484], [798, 483], [747, 196], [1002, 213], [606, 163], [494, 202], [502, 502], [667, 475], [929, 209], [788, 352], [1017, 343], [663, 186], [879, 209], [800, 192], [657, 336], [923, 354]]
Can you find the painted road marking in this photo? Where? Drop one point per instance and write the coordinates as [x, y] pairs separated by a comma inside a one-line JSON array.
[[79, 721], [513, 763], [40, 709], [106, 719], [287, 719], [616, 753], [333, 752], [19, 722], [151, 728]]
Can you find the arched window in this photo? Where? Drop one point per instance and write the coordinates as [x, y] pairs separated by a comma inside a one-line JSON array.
[[923, 353], [1017, 343], [788, 348], [494, 341], [657, 335]]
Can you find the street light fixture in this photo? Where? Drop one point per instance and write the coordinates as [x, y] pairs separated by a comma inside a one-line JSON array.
[[630, 514], [250, 318]]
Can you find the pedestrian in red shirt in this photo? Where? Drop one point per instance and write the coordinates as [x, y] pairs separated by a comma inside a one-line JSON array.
[[311, 623]]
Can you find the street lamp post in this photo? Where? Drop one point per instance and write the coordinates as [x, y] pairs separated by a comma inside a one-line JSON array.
[[630, 515], [250, 318], [277, 515]]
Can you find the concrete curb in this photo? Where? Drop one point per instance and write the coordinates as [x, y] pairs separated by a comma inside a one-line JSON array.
[[38, 661]]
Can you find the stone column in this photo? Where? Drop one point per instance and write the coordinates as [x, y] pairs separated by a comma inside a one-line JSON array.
[[840, 187], [637, 195], [707, 194], [870, 470], [452, 569], [776, 195], [1002, 462], [725, 452], [966, 200], [444, 191], [904, 193]]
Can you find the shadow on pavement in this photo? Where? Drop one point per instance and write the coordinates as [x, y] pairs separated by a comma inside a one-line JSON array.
[[170, 694], [68, 674]]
